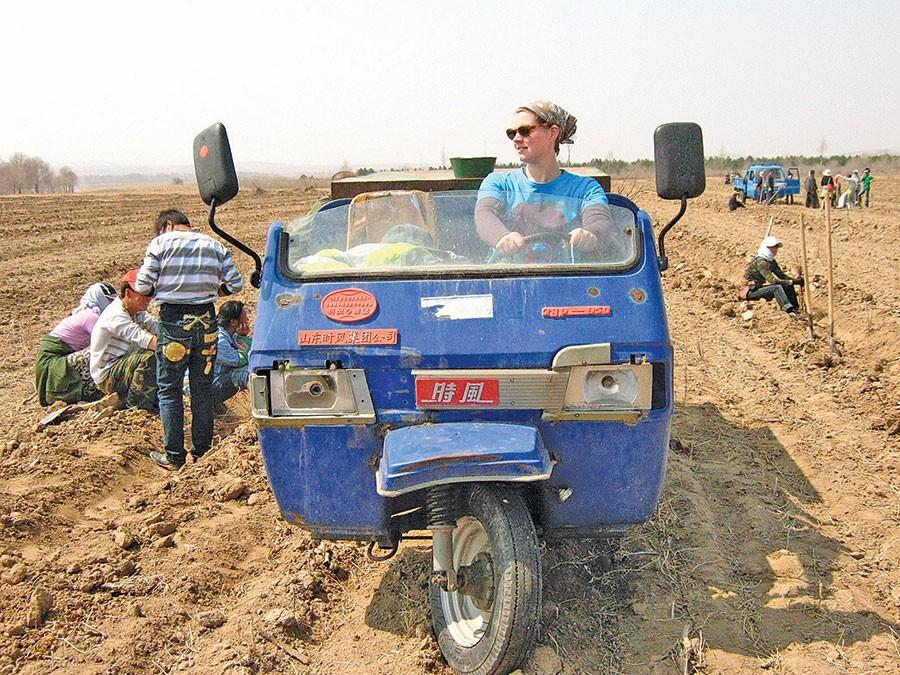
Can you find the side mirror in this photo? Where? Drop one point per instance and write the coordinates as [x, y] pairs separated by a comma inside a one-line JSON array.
[[678, 155], [214, 166]]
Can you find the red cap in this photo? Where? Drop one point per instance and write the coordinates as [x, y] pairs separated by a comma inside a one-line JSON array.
[[130, 277]]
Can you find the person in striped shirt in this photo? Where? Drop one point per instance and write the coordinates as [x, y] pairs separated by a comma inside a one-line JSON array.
[[185, 271], [122, 350]]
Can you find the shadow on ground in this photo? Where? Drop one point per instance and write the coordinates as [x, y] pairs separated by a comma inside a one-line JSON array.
[[732, 559]]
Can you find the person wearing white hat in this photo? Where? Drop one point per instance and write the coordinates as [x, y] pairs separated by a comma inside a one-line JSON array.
[[767, 281]]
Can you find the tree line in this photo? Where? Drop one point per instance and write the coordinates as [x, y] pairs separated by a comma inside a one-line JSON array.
[[21, 173], [883, 163]]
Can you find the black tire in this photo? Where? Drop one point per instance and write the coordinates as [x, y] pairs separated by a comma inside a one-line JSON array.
[[500, 639]]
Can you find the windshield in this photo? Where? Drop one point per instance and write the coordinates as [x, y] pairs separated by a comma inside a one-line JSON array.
[[409, 233], [776, 172]]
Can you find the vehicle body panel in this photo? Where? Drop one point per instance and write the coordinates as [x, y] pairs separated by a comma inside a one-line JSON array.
[[605, 474], [420, 456]]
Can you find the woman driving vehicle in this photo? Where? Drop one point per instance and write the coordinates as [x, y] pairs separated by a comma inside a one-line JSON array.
[[541, 197]]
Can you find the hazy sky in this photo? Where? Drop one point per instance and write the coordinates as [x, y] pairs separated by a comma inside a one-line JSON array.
[[308, 83]]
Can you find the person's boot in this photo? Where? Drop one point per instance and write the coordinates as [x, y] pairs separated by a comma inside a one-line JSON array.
[[163, 460]]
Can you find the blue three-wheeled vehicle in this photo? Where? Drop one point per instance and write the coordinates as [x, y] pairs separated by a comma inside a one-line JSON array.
[[405, 377]]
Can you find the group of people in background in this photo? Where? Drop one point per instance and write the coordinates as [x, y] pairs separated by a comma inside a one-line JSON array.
[[111, 345], [841, 192]]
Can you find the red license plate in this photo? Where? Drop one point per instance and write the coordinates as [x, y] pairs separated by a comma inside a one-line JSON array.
[[457, 393]]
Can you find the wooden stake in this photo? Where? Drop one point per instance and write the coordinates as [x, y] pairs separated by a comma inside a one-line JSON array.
[[806, 292], [771, 223], [830, 275]]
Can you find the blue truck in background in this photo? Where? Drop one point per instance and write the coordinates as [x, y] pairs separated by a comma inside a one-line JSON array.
[[787, 183]]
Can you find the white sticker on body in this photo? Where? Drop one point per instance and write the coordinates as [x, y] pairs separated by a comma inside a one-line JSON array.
[[460, 306]]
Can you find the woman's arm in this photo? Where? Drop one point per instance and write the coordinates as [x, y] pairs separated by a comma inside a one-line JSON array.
[[487, 220], [597, 219]]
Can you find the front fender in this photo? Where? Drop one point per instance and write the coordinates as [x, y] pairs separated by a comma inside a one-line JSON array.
[[417, 457]]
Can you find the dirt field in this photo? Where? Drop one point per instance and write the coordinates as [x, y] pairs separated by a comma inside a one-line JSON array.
[[776, 545]]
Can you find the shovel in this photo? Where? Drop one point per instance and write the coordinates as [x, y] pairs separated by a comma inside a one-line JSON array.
[[104, 405]]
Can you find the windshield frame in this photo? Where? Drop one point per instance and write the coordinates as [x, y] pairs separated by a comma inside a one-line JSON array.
[[479, 271]]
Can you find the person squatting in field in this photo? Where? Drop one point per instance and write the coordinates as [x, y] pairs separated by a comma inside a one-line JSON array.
[[541, 196], [849, 197], [231, 373], [766, 280], [62, 370], [185, 270], [122, 348]]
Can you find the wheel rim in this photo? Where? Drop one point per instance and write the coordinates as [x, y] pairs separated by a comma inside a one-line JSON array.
[[466, 623]]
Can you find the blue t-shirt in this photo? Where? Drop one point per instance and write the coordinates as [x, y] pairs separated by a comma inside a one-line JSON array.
[[570, 193]]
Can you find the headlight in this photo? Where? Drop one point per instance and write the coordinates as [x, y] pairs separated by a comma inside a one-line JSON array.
[[302, 392], [620, 387]]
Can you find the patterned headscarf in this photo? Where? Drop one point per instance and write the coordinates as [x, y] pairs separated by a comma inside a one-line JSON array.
[[96, 297], [554, 114]]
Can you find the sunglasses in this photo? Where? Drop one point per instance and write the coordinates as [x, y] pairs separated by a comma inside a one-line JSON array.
[[524, 131]]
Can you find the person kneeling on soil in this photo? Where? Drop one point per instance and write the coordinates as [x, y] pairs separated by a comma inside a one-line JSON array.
[[123, 343], [231, 373], [734, 203], [766, 280], [62, 371]]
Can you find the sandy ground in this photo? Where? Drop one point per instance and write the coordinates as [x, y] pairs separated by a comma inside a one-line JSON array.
[[775, 546]]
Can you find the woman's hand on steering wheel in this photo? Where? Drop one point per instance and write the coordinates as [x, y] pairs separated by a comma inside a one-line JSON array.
[[510, 243], [555, 238], [583, 240]]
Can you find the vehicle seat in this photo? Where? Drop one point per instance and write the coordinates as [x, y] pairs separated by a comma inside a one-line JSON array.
[[372, 214]]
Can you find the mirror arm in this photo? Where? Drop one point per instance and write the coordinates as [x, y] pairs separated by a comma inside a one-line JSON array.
[[662, 258], [255, 276]]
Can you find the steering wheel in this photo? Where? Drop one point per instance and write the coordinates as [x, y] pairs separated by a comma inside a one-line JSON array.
[[546, 245]]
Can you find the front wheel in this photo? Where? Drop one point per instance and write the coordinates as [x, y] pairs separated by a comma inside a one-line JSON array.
[[489, 625]]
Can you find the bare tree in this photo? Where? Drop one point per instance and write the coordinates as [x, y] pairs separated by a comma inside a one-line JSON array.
[[37, 173], [17, 172], [6, 179], [67, 179]]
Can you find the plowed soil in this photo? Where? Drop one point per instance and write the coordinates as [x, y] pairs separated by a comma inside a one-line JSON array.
[[776, 544]]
